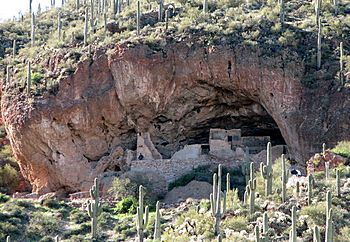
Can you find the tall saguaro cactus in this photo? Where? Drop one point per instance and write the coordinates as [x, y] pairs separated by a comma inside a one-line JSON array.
[[257, 233], [266, 171], [294, 222], [14, 48], [326, 166], [336, 7], [166, 19], [8, 75], [29, 77], [217, 201], [317, 235], [94, 207], [160, 11], [252, 188], [141, 215], [59, 26], [319, 40], [33, 30], [86, 26], [205, 6], [157, 232], [337, 183], [138, 17], [30, 6], [329, 227], [246, 165], [329, 218], [284, 179], [310, 184], [282, 11], [341, 63], [92, 17], [265, 237], [318, 5]]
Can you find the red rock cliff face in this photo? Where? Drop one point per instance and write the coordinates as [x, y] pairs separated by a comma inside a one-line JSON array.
[[176, 94]]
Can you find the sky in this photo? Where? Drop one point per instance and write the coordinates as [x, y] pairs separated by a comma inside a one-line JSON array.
[[10, 8]]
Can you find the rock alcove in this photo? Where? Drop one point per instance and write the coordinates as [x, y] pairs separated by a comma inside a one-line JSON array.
[[176, 94]]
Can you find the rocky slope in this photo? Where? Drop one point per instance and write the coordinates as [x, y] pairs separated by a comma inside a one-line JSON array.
[[176, 93]]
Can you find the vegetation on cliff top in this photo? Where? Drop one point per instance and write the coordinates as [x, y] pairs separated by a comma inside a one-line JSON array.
[[255, 23]]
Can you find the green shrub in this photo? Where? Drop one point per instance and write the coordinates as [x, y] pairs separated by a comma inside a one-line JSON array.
[[42, 224], [51, 203], [122, 188], [78, 216], [342, 148], [8, 178], [237, 223], [4, 198], [344, 234], [36, 77], [126, 205]]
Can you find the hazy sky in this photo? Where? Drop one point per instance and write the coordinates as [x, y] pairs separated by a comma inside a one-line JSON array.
[[10, 8]]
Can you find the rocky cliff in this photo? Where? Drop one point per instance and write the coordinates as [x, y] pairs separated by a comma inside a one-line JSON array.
[[176, 93]]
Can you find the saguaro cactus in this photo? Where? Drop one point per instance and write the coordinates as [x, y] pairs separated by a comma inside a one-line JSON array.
[[217, 201], [336, 8], [94, 207], [318, 4], [319, 38], [294, 222], [310, 184], [246, 165], [14, 48], [8, 75], [297, 189], [29, 77], [92, 19], [329, 227], [341, 60], [329, 217], [30, 7], [105, 22], [252, 188], [33, 30], [337, 183], [266, 171], [166, 19], [160, 11], [86, 26], [246, 194], [265, 237], [317, 235], [326, 170], [257, 233], [138, 16], [328, 202], [59, 26], [157, 232], [282, 11], [141, 215], [284, 179], [205, 6]]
